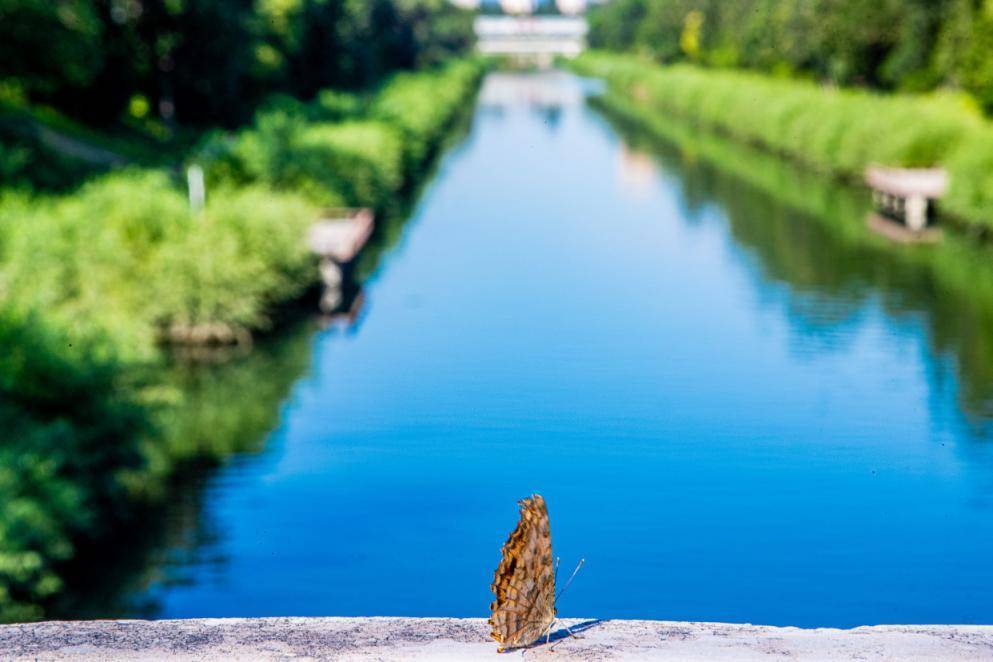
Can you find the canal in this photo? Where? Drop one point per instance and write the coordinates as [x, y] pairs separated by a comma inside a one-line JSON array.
[[739, 404]]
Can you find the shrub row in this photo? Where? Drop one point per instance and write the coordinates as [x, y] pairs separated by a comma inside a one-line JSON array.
[[126, 256], [342, 149], [836, 131]]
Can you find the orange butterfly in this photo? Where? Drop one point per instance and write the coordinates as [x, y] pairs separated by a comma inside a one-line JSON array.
[[524, 582]]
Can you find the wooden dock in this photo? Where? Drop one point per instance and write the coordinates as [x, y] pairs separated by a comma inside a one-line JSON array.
[[340, 234], [906, 194], [337, 238]]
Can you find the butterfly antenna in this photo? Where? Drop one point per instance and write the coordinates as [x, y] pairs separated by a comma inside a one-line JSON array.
[[558, 562], [571, 577]]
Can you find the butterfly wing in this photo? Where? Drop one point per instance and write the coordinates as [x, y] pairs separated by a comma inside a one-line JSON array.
[[524, 582]]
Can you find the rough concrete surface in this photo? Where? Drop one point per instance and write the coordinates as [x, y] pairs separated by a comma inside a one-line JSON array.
[[467, 639]]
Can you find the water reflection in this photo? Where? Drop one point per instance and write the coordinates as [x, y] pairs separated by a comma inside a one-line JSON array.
[[218, 411], [811, 235]]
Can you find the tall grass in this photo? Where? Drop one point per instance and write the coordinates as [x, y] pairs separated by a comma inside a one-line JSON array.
[[835, 131]]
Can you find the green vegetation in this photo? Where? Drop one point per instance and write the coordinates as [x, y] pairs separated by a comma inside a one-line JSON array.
[[102, 106], [346, 149], [910, 45], [69, 430], [835, 131], [158, 63], [125, 255], [136, 82], [94, 280]]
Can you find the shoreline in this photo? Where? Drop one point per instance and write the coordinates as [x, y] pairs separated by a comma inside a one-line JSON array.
[[386, 638]]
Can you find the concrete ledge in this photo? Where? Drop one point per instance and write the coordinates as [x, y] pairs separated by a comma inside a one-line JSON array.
[[466, 639]]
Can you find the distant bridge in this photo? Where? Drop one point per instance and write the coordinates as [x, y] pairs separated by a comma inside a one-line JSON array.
[[542, 37]]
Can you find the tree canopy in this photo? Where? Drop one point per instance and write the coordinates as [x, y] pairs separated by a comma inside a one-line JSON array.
[[891, 44], [211, 61]]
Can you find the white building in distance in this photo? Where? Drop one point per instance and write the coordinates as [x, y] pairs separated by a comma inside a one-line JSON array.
[[518, 6], [571, 7]]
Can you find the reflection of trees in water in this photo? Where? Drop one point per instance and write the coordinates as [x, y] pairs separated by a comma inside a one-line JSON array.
[[213, 413], [810, 234], [67, 455]]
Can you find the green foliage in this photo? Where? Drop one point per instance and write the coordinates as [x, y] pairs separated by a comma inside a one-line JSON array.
[[125, 256], [28, 164], [904, 44], [210, 61], [344, 150], [970, 194], [423, 104], [117, 265], [839, 132], [69, 53], [69, 435], [234, 262]]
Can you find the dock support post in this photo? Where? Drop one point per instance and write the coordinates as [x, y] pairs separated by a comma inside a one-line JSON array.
[[915, 212]]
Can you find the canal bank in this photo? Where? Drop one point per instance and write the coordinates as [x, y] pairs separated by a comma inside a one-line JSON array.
[[839, 133], [104, 418], [467, 639]]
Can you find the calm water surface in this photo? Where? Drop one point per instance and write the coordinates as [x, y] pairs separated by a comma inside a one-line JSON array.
[[733, 415]]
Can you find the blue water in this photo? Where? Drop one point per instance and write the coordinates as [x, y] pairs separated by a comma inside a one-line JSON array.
[[560, 318]]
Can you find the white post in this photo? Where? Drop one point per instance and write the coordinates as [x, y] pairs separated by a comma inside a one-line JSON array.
[[198, 192]]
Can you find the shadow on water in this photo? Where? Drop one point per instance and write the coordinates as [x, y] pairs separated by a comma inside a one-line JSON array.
[[809, 233]]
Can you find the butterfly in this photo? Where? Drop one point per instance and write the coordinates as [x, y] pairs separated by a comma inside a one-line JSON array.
[[524, 582]]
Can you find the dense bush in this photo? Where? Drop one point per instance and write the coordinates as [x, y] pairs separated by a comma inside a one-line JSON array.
[[836, 131], [894, 44], [343, 150], [422, 105], [126, 256]]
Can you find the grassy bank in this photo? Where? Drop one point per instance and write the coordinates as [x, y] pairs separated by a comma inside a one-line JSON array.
[[837, 132], [126, 259], [91, 282]]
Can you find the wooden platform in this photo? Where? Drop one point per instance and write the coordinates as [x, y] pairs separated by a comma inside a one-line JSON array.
[[906, 194], [341, 233], [908, 182]]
